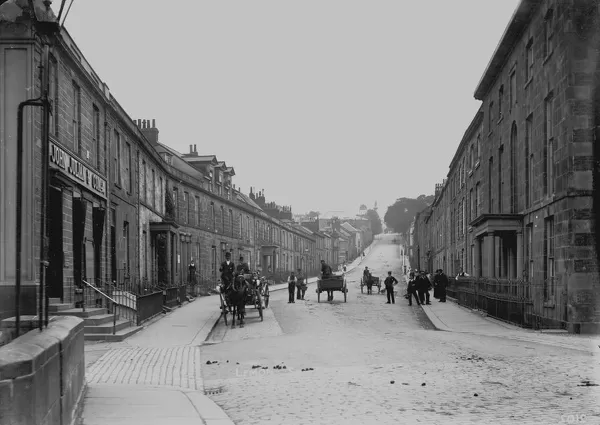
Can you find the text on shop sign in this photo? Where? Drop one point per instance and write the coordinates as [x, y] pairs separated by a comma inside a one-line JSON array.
[[66, 162]]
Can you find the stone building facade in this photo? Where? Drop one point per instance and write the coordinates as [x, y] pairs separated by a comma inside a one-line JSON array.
[[124, 210], [517, 205]]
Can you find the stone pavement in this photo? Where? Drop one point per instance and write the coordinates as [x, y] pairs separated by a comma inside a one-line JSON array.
[[452, 317], [154, 377]]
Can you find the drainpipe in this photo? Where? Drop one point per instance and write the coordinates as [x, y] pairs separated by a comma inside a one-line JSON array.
[[19, 202], [43, 290]]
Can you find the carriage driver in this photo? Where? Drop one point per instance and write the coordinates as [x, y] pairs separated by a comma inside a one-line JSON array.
[[227, 268]]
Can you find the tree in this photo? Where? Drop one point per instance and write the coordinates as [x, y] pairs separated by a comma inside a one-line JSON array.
[[373, 217], [313, 214], [400, 215]]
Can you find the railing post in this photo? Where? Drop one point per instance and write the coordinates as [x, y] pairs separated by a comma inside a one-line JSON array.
[[82, 296], [114, 318]]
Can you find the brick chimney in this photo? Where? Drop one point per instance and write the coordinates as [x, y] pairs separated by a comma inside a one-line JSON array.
[[150, 132]]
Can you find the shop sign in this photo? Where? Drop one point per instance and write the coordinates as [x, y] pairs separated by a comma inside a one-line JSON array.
[[63, 160]]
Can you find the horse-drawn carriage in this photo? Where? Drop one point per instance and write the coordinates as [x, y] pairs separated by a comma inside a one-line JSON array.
[[331, 284], [374, 282], [244, 290]]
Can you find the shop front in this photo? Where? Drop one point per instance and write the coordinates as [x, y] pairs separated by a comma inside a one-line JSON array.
[[76, 214]]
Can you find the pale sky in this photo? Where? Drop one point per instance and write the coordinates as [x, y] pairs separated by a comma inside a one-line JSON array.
[[325, 105]]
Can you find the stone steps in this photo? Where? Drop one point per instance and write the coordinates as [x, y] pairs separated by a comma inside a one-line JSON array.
[[98, 322], [106, 328], [119, 336]]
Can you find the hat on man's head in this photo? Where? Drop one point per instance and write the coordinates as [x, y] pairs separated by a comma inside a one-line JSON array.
[[228, 254]]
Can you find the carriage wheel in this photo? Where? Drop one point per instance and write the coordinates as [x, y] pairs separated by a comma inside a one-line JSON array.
[[260, 308], [223, 309]]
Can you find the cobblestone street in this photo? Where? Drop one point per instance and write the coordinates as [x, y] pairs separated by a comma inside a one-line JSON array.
[[369, 361]]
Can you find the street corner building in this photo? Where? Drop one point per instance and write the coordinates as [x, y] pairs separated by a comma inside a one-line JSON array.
[[125, 219], [517, 210]]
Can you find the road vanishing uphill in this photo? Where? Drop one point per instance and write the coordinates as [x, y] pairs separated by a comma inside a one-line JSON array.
[[366, 361]]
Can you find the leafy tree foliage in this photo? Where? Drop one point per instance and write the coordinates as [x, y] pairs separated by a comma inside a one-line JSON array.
[[373, 217], [399, 215], [313, 214]]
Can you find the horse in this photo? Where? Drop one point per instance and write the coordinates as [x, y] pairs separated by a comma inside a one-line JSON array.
[[237, 292]]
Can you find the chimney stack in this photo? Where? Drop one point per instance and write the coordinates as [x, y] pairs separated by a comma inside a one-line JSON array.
[[151, 133], [195, 149], [191, 151]]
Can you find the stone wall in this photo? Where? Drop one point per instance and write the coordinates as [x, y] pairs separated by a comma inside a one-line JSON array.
[[42, 375]]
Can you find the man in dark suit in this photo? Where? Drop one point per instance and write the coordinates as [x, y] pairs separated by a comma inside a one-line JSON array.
[[390, 281], [423, 287], [227, 269]]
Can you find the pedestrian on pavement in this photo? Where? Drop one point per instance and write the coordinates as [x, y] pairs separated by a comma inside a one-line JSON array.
[[441, 283], [423, 287], [291, 287], [390, 281], [300, 285], [411, 289]]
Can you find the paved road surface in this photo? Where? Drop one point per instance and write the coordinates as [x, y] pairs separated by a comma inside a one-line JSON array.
[[356, 349]]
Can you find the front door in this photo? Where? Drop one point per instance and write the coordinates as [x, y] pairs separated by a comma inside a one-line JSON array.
[[54, 278]]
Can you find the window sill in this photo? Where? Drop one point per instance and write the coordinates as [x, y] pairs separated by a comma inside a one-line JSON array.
[[528, 82]]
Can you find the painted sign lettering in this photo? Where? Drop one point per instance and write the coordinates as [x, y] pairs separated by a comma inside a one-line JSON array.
[[72, 167]]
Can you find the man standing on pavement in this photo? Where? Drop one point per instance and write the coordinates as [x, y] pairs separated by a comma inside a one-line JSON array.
[[411, 289], [390, 281], [291, 288], [441, 282], [423, 287]]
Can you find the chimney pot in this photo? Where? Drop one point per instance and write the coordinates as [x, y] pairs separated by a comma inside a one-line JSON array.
[[191, 151], [153, 123], [195, 150]]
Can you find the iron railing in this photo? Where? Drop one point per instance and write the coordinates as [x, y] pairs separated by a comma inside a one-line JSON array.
[[518, 301], [87, 288]]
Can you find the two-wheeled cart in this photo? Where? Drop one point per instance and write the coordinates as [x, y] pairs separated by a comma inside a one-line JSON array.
[[330, 284], [374, 282]]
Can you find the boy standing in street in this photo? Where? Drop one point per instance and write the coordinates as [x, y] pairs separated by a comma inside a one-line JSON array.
[[390, 281]]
